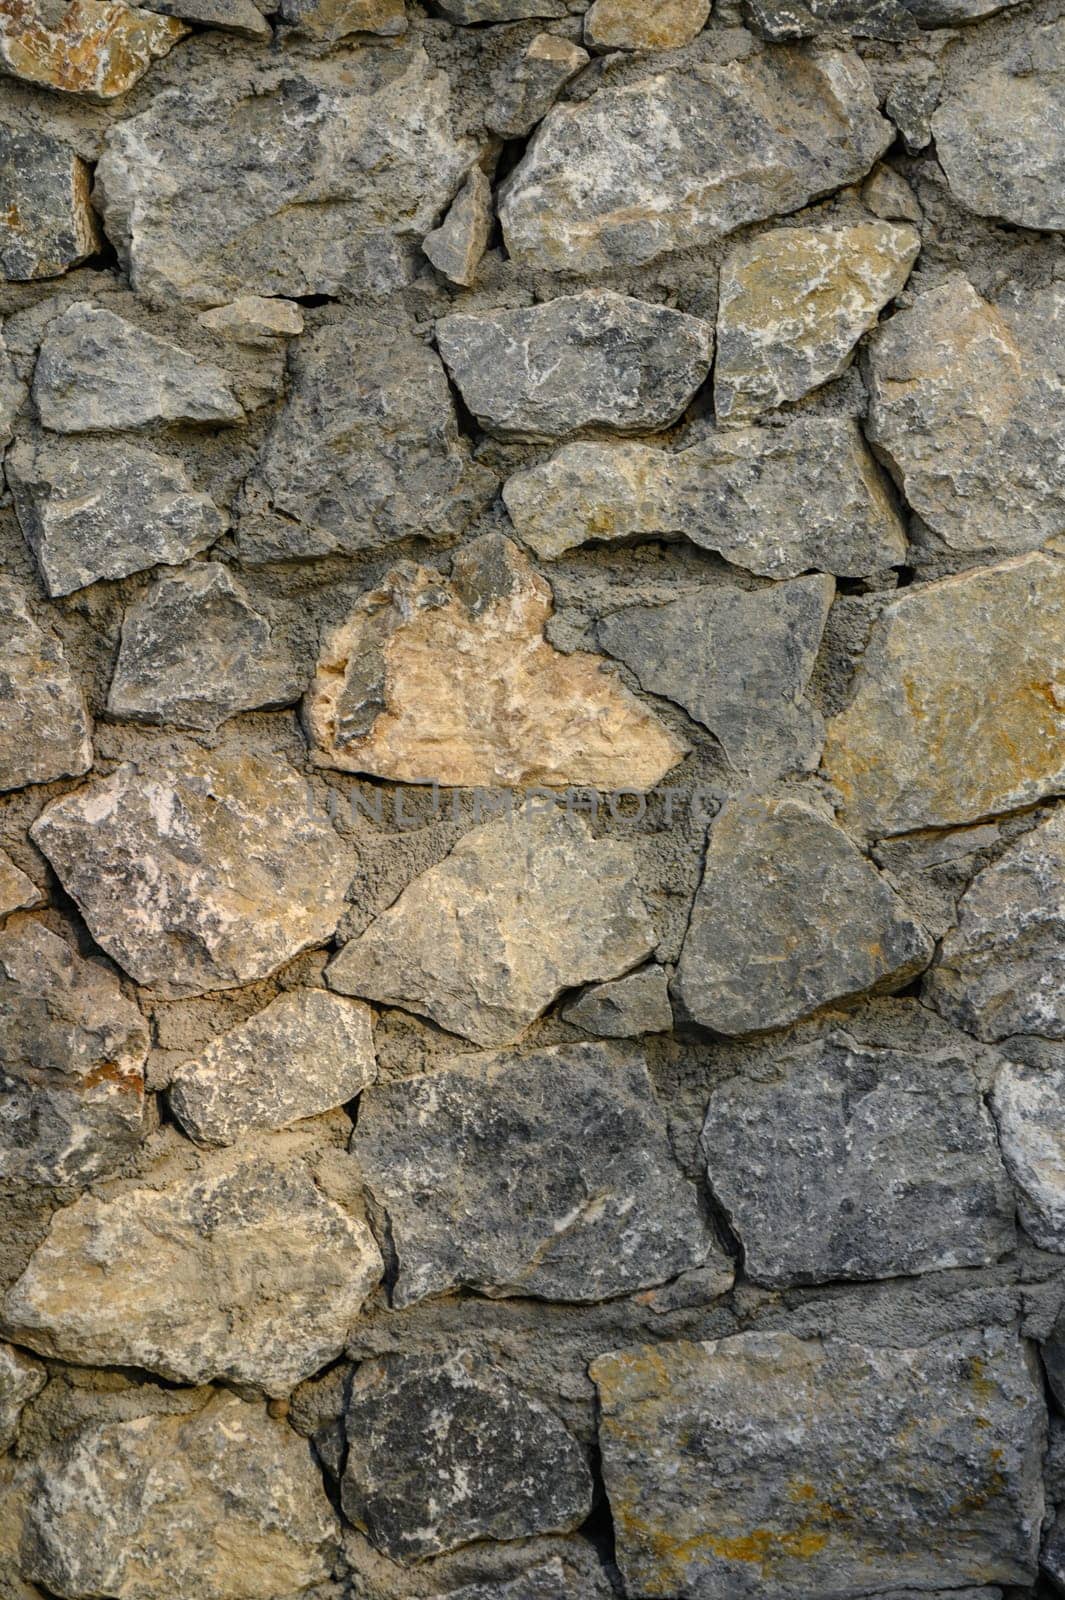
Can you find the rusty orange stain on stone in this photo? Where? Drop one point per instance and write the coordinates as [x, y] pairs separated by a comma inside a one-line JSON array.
[[97, 48]]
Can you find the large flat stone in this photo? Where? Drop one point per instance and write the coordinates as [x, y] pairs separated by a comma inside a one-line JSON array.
[[684, 158], [89, 511], [47, 224], [72, 1054], [841, 1160], [777, 501], [789, 915], [732, 1465], [1027, 1103], [204, 872], [402, 687], [20, 1379], [485, 1185], [591, 360], [739, 661], [350, 163], [45, 731], [958, 710], [242, 1270], [95, 48], [793, 304], [366, 450], [446, 1450], [967, 407], [486, 940], [217, 1504]]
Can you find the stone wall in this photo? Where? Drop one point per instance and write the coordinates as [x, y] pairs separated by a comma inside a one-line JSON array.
[[532, 867]]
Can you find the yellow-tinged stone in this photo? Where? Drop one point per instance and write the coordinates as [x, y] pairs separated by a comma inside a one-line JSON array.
[[959, 708], [456, 682], [98, 48], [637, 25]]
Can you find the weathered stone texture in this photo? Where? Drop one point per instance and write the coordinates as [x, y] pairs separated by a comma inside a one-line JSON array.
[[625, 1007], [47, 224], [627, 25], [528, 88], [331, 21], [17, 891], [20, 1380], [456, 247], [1027, 1104], [96, 48], [44, 727], [241, 17]]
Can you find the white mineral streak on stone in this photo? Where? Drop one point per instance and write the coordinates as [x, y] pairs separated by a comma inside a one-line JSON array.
[[20, 1379]]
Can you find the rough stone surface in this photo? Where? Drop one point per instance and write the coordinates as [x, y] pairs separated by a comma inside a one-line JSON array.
[[97, 372], [777, 501], [845, 1161], [195, 651], [96, 48], [348, 162], [1027, 1104], [1001, 142], [888, 195], [241, 17], [779, 20], [967, 407], [17, 891], [731, 1464], [793, 304], [789, 915], [254, 319], [466, 12], [304, 1053], [678, 159], [626, 25], [366, 450], [547, 1582], [456, 247], [202, 873], [625, 1007], [958, 708], [448, 1450], [220, 1504], [519, 911], [72, 1049], [47, 224], [695, 651], [243, 1270], [485, 1186], [400, 689], [89, 512], [20, 1380], [528, 88], [333, 20], [44, 727], [597, 359]]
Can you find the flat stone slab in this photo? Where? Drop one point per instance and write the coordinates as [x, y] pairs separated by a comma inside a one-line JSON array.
[[958, 707], [1027, 1103], [45, 731], [625, 1007], [454, 681], [789, 915], [446, 1450], [95, 48], [776, 501], [591, 360], [243, 1270], [683, 158], [20, 1379], [518, 912], [47, 224], [845, 1161], [204, 872], [731, 1465], [485, 1186]]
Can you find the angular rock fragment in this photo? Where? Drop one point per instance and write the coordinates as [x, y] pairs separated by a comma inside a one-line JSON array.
[[547, 1582], [956, 13], [682, 158], [519, 911], [527, 89], [241, 17], [794, 302], [1001, 138], [45, 731], [781, 20], [789, 915], [625, 1007], [89, 511], [17, 891], [455, 682], [95, 48], [475, 11], [911, 102], [731, 1465], [72, 1054], [47, 224], [195, 651], [330, 21], [456, 247], [302, 1054], [1027, 1103], [1001, 970], [568, 1215], [887, 194], [12, 395], [98, 372], [443, 1451], [217, 1503], [597, 359], [958, 710], [777, 501], [739, 661], [243, 1270], [967, 406], [629, 25], [366, 450], [203, 872], [20, 1380], [351, 162], [254, 319], [845, 1161]]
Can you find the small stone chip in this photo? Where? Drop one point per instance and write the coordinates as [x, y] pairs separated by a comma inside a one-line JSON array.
[[625, 1007], [457, 245]]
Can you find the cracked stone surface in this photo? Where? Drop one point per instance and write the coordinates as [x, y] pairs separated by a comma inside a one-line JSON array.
[[95, 48], [45, 731], [47, 224]]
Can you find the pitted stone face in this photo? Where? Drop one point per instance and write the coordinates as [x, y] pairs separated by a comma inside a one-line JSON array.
[[95, 48]]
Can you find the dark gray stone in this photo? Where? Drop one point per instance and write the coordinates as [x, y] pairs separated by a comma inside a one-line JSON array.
[[45, 731], [527, 88], [780, 20], [625, 1007], [477, 11], [1028, 1103], [47, 224], [228, 16]]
